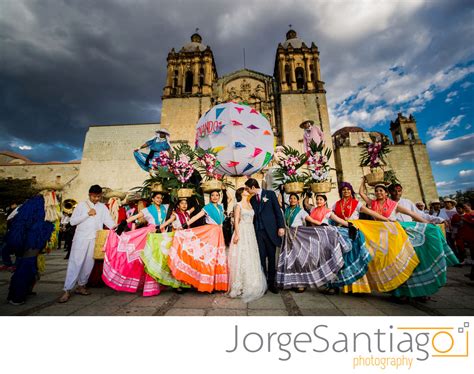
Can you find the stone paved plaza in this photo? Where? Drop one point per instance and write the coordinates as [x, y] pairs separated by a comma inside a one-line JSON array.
[[455, 299]]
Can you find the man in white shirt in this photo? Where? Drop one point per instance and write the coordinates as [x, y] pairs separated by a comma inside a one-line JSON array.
[[396, 191], [89, 217], [449, 209], [447, 213]]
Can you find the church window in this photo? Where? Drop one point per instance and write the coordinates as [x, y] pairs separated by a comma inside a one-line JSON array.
[[175, 79], [299, 73], [188, 87], [398, 138], [201, 77], [287, 73], [410, 134]]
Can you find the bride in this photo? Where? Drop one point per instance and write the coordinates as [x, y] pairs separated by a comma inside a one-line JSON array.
[[247, 280]]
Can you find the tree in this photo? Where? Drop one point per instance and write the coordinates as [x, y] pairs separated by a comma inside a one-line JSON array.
[[16, 191]]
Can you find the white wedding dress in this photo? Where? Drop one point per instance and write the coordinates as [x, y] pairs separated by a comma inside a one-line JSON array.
[[246, 277]]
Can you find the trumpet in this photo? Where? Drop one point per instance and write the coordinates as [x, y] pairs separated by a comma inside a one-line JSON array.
[[68, 206]]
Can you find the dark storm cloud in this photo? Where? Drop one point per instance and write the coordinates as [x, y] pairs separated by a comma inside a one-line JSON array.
[[69, 64]]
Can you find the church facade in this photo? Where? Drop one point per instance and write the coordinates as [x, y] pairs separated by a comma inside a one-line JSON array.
[[295, 93]]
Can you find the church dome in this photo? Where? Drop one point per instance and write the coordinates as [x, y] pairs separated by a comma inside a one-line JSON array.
[[348, 129], [195, 44], [292, 38]]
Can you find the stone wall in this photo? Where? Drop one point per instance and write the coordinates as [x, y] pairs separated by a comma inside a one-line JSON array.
[[64, 173], [414, 174], [180, 116], [297, 108], [108, 160]]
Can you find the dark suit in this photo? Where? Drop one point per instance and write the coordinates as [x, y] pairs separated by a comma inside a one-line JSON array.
[[267, 220]]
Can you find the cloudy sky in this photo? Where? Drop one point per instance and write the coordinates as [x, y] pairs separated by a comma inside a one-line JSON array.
[[67, 64]]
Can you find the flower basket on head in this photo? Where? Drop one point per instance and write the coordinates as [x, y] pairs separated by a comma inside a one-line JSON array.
[[172, 171], [321, 187], [373, 156], [376, 176], [288, 172], [185, 193], [108, 194], [158, 187], [318, 165], [211, 185], [207, 164], [294, 187]]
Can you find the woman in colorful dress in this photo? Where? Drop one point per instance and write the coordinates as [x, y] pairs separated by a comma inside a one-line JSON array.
[[385, 206], [180, 217], [155, 214], [155, 254], [310, 256], [296, 216], [357, 258], [348, 207], [321, 214], [246, 278], [394, 258], [433, 253], [197, 255], [124, 268]]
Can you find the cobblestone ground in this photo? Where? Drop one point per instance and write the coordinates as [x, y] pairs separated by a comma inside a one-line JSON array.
[[455, 299]]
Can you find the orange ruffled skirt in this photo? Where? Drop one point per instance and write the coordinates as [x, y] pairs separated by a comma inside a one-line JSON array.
[[198, 258]]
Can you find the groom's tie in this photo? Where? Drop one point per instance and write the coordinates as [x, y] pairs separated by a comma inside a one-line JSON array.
[[258, 199]]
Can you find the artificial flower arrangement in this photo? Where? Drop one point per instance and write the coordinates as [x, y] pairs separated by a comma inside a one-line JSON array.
[[373, 156], [289, 170], [206, 164], [171, 172], [318, 165]]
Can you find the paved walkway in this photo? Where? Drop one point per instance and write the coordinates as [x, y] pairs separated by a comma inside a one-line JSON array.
[[455, 299]]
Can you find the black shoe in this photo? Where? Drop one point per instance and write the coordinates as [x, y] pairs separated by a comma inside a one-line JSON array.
[[273, 289]]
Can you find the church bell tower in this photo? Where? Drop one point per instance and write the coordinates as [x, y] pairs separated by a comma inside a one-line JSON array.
[[191, 73]]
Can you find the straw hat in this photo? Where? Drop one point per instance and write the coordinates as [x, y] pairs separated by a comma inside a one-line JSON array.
[[303, 124], [114, 193], [132, 196], [50, 186], [163, 131], [436, 201], [449, 200]]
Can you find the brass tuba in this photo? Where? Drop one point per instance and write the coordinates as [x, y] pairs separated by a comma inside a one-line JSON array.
[[68, 206]]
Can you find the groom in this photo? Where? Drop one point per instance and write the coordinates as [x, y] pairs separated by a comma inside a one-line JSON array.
[[269, 227]]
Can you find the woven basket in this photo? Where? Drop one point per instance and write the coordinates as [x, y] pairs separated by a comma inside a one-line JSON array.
[[157, 187], [49, 186], [211, 185], [294, 187], [375, 177], [185, 192], [113, 193], [321, 187], [99, 244]]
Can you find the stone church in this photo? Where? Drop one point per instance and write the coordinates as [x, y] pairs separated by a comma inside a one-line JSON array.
[[295, 93]]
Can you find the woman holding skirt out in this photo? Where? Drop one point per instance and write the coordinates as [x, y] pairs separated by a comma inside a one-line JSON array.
[[310, 256], [197, 255]]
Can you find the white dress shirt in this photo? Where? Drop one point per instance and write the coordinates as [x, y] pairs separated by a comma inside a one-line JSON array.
[[87, 226], [405, 203]]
